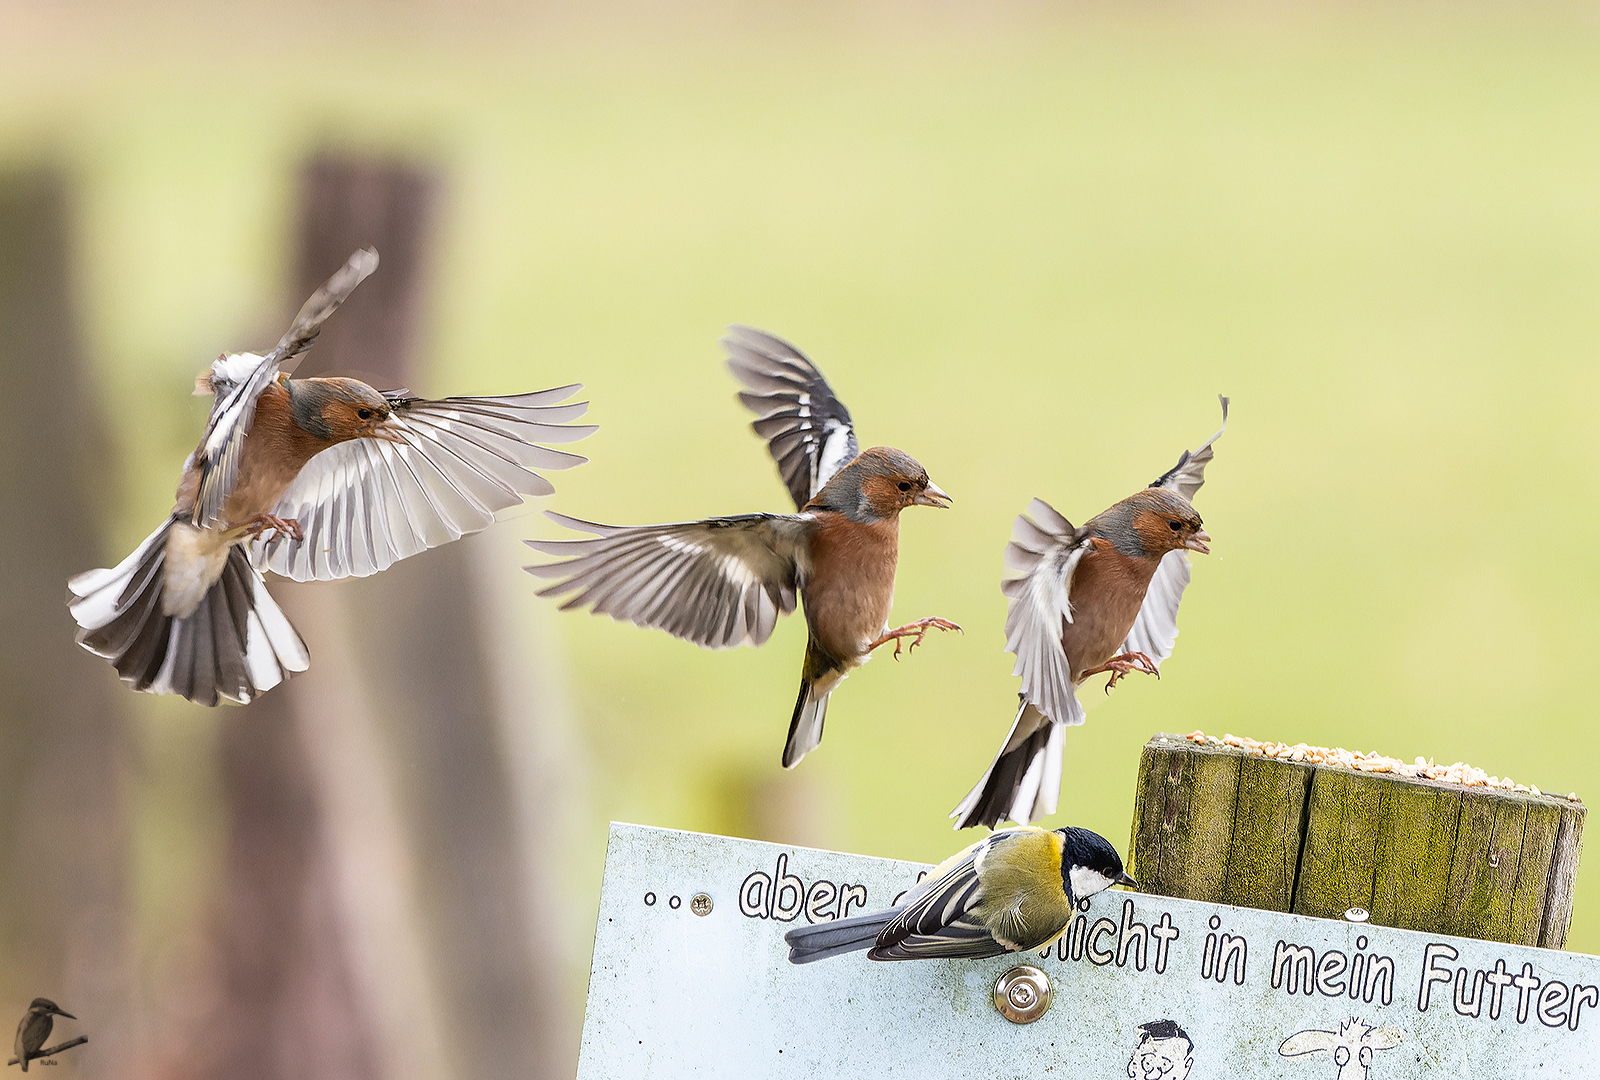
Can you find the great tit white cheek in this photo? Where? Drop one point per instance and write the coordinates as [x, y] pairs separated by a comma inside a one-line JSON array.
[[1086, 882]]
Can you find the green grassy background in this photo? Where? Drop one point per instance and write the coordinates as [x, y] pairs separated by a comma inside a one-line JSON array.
[[1028, 249]]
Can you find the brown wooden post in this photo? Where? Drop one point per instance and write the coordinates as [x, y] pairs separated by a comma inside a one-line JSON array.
[[1213, 822], [64, 743], [425, 636]]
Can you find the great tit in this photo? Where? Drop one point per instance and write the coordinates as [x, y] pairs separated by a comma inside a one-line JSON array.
[[1012, 891]]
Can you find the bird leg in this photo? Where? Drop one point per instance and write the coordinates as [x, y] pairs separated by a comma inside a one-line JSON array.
[[914, 630], [265, 523], [1123, 665]]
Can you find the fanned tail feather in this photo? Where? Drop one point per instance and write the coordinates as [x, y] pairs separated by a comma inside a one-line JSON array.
[[1024, 782], [235, 644], [809, 943]]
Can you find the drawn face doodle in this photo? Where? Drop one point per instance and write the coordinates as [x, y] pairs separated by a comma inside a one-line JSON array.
[[1161, 1059]]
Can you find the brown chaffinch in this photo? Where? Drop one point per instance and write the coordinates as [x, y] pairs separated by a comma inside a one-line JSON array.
[[313, 479], [724, 581], [1099, 598]]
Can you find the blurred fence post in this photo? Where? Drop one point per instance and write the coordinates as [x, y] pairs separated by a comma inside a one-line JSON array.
[[429, 640], [64, 745], [404, 705]]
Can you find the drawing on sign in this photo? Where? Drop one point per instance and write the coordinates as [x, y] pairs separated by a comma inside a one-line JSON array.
[[1165, 1052], [1352, 1046]]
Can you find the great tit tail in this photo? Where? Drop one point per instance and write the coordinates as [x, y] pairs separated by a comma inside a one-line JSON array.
[[809, 943], [817, 679], [1024, 782], [234, 643]]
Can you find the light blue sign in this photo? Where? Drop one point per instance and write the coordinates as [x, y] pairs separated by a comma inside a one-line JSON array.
[[1143, 986]]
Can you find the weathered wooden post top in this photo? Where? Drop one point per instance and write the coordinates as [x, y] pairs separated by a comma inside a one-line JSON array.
[[691, 978], [1443, 849]]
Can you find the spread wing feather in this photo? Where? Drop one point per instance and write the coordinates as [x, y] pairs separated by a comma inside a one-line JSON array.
[[443, 469], [807, 428], [1190, 472], [718, 583], [1155, 631], [1045, 548], [237, 381]]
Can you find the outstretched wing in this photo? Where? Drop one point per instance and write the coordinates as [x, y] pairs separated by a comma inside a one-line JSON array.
[[807, 428], [237, 381], [1190, 472], [1155, 631], [1046, 548], [437, 471], [718, 583]]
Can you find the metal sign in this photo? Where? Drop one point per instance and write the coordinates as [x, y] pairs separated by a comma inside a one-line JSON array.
[[691, 978]]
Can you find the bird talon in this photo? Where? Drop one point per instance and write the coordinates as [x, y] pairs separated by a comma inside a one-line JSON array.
[[916, 631], [263, 524]]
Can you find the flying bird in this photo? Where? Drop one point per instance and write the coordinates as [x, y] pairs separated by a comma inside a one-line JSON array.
[[1013, 891], [1101, 598], [313, 479], [724, 581], [34, 1028]]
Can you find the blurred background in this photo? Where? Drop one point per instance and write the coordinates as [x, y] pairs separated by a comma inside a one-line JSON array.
[[1028, 244]]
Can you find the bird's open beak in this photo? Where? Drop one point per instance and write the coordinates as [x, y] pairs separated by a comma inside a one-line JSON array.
[[387, 431], [1199, 542], [63, 1012], [1125, 878], [932, 496]]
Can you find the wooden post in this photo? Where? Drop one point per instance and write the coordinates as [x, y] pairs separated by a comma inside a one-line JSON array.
[[1216, 823], [65, 755]]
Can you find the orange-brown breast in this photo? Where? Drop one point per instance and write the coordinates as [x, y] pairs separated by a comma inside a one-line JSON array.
[[275, 450], [850, 587], [1107, 591]]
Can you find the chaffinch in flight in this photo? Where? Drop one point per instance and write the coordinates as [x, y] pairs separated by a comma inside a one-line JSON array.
[[313, 479], [1099, 598], [724, 581], [1013, 891]]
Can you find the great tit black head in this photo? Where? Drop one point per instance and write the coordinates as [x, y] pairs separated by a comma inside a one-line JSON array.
[[1089, 864]]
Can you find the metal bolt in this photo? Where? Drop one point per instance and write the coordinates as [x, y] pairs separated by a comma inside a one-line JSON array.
[[1022, 994], [1356, 914], [700, 904]]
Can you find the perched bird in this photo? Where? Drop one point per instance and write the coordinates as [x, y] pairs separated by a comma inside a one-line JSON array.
[[314, 479], [34, 1028], [724, 581], [1013, 891], [1099, 598]]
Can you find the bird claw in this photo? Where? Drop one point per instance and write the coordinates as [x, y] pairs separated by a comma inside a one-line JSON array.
[[262, 524], [1121, 666], [914, 630]]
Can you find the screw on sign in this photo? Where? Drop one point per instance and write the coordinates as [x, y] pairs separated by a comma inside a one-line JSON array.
[[1022, 994]]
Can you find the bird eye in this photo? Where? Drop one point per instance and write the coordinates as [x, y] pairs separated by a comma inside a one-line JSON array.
[[366, 414], [1175, 525], [905, 486]]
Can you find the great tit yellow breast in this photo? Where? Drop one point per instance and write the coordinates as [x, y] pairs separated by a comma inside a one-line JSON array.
[[1024, 904]]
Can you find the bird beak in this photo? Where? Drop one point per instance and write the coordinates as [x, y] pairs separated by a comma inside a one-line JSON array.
[[1125, 878], [933, 497], [1199, 542], [386, 432], [63, 1012]]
